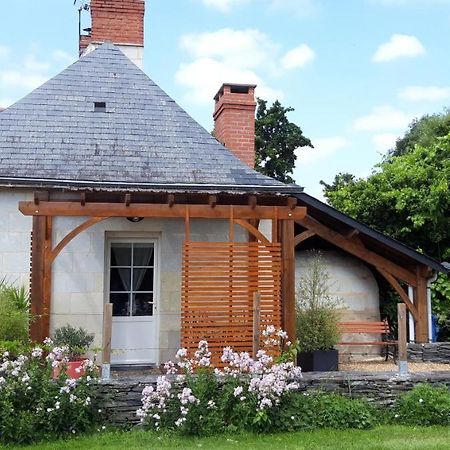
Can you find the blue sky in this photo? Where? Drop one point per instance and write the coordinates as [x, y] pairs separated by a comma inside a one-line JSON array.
[[356, 71]]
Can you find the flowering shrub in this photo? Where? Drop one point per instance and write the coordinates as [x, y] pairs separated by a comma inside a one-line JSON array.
[[246, 393], [35, 406], [424, 405]]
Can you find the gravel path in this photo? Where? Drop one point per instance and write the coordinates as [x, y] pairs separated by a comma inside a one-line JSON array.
[[380, 365]]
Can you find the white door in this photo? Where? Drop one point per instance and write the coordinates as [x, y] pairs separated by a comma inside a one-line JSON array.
[[132, 291]]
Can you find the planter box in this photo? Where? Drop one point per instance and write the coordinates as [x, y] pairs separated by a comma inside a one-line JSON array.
[[318, 361], [74, 369]]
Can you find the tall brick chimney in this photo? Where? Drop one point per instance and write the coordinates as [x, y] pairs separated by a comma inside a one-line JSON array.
[[234, 120], [120, 22]]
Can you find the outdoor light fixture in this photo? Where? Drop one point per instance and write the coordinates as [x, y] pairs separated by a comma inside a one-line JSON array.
[[135, 219]]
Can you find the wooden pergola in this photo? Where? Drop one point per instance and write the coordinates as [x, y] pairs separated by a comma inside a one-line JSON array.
[[411, 271], [258, 256]]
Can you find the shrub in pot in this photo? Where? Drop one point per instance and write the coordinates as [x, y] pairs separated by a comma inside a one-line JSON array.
[[317, 318], [77, 341]]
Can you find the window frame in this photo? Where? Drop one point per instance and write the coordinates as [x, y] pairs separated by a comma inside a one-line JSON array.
[[133, 240]]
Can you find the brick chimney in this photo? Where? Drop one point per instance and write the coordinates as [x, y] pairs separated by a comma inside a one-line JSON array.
[[234, 120], [120, 22]]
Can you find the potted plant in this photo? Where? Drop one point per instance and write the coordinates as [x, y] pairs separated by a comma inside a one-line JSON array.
[[77, 341], [317, 319]]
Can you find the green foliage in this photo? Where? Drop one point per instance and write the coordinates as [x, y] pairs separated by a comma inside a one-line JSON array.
[[78, 340], [321, 410], [317, 311], [14, 313], [408, 198], [276, 141], [14, 348], [423, 132], [424, 405], [33, 406], [441, 305]]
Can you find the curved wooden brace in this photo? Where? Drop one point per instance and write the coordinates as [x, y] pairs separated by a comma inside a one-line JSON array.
[[254, 231], [403, 295], [303, 236], [73, 234]]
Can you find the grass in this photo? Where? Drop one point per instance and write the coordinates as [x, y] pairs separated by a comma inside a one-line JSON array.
[[385, 437]]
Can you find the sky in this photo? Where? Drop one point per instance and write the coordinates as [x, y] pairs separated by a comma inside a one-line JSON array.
[[357, 72]]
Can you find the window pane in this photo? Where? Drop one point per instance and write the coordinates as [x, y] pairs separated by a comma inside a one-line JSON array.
[[143, 279], [120, 280], [142, 304], [121, 304], [143, 255], [120, 254]]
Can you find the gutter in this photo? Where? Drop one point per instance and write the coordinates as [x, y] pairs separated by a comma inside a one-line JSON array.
[[178, 187]]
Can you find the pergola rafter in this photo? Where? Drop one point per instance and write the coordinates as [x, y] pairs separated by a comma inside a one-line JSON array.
[[392, 272]]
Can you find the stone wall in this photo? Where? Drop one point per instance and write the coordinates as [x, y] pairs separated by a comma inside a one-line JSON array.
[[381, 389], [437, 352]]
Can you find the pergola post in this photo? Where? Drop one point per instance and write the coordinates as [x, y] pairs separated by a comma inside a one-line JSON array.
[[288, 278], [420, 301], [41, 278]]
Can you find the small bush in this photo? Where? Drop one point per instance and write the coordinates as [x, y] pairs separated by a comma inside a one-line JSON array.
[[317, 311], [424, 405], [77, 340], [33, 406], [14, 313]]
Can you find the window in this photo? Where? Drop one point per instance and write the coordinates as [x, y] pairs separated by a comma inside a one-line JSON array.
[[132, 278], [99, 106]]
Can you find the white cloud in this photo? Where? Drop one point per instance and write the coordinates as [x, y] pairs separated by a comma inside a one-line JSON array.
[[204, 76], [424, 93], [298, 57], [5, 102], [399, 46], [230, 56], [384, 142], [63, 57], [4, 51], [14, 78], [224, 5], [383, 118], [323, 149], [243, 48], [32, 64], [299, 8]]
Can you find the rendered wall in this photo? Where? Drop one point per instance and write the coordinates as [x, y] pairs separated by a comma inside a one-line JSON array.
[[353, 283], [79, 272], [15, 238]]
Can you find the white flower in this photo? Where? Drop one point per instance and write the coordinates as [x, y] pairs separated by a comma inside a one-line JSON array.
[[37, 352], [420, 400], [238, 391]]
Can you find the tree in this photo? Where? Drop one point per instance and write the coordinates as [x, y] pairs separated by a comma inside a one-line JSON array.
[[408, 197], [423, 132], [276, 141]]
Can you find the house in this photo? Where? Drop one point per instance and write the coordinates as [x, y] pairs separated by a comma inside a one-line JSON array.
[[123, 198]]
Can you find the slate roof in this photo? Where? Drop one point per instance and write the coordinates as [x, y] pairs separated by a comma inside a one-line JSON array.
[[144, 140]]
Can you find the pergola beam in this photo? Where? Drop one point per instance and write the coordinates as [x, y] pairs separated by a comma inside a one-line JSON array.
[[75, 209], [358, 249]]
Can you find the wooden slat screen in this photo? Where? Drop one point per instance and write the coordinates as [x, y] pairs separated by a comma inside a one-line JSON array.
[[219, 281]]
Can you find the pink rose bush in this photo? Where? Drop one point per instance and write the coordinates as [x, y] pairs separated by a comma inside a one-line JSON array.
[[245, 393], [33, 405]]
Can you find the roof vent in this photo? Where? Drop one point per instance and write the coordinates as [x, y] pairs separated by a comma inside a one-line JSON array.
[[99, 107]]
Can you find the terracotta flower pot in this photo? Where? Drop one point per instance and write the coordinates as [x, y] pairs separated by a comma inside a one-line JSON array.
[[74, 369]]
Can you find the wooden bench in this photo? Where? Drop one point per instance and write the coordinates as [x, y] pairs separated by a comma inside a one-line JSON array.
[[369, 327]]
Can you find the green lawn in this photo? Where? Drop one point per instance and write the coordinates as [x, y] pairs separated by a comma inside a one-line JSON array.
[[386, 438]]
